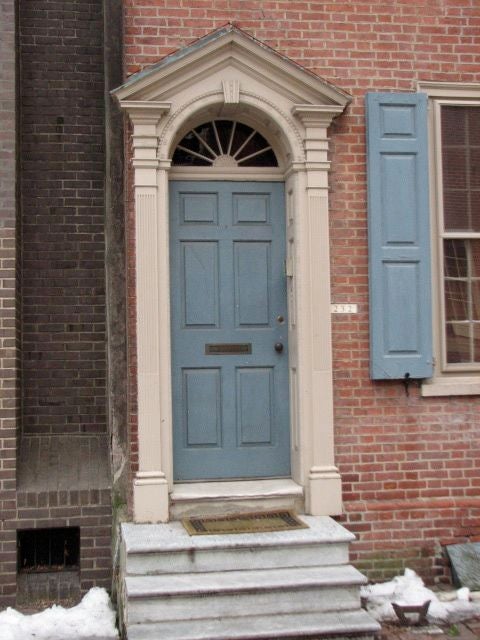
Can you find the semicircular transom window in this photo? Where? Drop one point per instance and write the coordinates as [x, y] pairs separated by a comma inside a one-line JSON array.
[[224, 143]]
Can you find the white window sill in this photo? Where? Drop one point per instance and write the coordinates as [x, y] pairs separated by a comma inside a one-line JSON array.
[[466, 386]]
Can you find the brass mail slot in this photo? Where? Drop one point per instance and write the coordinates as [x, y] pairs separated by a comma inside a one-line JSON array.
[[228, 349]]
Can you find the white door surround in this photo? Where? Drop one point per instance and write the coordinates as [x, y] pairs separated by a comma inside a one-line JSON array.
[[228, 74]]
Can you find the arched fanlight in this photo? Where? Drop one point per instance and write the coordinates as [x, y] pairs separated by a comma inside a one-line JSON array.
[[224, 143]]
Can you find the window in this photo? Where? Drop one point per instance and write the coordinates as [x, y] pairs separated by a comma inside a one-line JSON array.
[[224, 143], [460, 234], [455, 196]]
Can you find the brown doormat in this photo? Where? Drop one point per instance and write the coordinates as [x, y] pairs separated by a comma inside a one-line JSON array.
[[244, 523]]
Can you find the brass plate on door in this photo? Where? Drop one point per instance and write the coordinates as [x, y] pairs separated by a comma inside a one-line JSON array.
[[228, 349]]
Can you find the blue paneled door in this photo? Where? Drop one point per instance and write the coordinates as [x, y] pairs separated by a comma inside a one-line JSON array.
[[229, 330]]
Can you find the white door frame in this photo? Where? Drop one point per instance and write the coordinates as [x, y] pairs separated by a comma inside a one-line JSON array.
[[230, 75]]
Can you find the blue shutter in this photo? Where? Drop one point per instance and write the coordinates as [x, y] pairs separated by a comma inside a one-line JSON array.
[[399, 236]]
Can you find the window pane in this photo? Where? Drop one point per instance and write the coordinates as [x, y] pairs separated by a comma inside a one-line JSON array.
[[454, 163], [458, 343], [181, 157], [455, 206], [454, 122], [206, 133], [475, 244], [462, 299], [455, 258], [264, 159], [474, 125], [476, 299], [256, 143], [224, 130], [475, 167], [461, 167], [456, 300], [242, 133], [476, 342]]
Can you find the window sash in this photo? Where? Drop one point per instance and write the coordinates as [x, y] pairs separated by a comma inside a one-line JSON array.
[[442, 236]]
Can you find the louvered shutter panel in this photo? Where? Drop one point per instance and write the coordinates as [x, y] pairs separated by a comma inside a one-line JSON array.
[[399, 236]]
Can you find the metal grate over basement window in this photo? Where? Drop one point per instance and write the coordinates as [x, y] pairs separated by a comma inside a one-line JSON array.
[[40, 550]]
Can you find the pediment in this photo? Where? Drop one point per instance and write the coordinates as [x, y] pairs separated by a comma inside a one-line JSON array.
[[238, 61]]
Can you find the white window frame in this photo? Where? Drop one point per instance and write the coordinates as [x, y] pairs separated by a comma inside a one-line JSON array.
[[448, 379]]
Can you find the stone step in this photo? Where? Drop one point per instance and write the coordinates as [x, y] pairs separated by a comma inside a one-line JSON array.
[[168, 548], [236, 593], [291, 584], [239, 496], [341, 625]]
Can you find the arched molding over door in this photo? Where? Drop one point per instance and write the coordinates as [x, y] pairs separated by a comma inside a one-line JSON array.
[[229, 75], [255, 110]]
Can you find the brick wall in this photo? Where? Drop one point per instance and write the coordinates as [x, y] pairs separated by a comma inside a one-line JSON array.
[[9, 320], [63, 168], [60, 115], [410, 464], [88, 509]]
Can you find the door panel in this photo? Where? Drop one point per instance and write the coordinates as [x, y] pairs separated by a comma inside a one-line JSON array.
[[201, 404], [254, 406], [252, 278], [199, 207], [200, 288], [250, 207], [228, 294]]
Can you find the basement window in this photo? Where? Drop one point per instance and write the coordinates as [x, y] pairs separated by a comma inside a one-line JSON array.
[[41, 550]]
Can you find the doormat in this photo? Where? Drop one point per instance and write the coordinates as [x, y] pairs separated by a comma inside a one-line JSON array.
[[244, 523]]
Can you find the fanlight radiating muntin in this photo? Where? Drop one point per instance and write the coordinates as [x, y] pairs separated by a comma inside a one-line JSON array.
[[224, 143]]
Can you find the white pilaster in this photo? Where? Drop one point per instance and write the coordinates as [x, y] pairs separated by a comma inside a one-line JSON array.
[[324, 496], [150, 490]]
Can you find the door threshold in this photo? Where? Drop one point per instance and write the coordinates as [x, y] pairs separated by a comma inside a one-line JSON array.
[[213, 498]]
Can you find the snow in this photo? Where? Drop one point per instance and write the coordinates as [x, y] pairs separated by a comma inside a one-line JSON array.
[[409, 589], [94, 617]]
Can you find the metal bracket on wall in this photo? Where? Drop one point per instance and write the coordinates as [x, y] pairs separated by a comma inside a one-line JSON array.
[[407, 381]]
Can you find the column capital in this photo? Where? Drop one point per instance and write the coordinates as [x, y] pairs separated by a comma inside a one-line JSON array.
[[317, 115], [145, 117], [144, 111], [316, 118]]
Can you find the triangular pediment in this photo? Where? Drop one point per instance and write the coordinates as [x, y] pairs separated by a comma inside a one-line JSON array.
[[236, 54]]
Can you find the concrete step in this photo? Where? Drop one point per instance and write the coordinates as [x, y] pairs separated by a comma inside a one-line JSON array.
[[341, 625], [168, 548], [237, 593]]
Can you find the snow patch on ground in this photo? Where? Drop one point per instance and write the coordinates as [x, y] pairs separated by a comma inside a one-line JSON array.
[[409, 589], [93, 617]]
